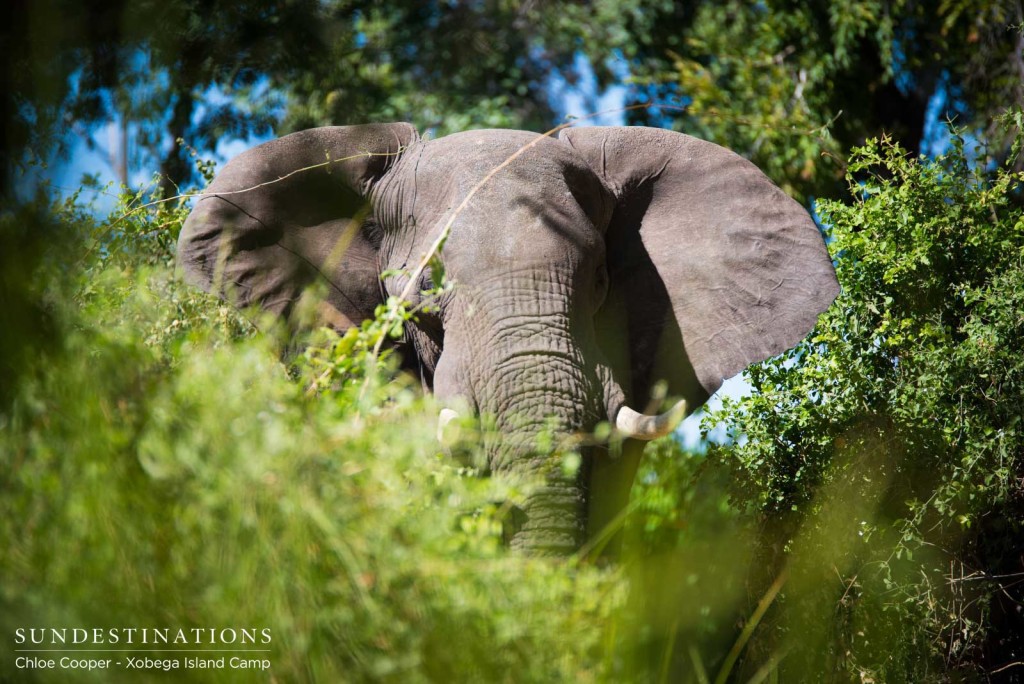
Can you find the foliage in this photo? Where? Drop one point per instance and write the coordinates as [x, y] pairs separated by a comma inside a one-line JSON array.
[[160, 71], [790, 85], [793, 85], [161, 467], [884, 452], [202, 72]]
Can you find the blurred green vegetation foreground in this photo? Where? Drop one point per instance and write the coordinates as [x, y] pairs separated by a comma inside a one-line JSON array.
[[160, 466]]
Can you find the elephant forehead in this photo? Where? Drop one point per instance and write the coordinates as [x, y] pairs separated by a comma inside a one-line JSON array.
[[510, 170], [496, 145]]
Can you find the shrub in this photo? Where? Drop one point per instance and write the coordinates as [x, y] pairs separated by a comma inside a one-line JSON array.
[[884, 453]]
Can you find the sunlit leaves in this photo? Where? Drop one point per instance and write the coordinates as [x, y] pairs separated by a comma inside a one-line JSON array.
[[907, 394]]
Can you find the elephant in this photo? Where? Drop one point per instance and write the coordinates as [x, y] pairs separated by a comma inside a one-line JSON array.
[[588, 269]]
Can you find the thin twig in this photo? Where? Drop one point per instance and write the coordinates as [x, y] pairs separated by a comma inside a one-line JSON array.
[[190, 195], [435, 247], [748, 629], [1017, 663]]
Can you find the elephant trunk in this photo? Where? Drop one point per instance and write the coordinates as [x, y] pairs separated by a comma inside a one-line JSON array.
[[539, 398]]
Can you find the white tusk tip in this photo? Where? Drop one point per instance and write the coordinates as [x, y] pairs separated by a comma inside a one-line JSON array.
[[638, 426], [445, 436]]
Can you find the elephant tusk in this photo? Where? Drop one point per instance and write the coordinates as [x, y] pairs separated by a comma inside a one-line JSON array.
[[446, 416], [638, 426]]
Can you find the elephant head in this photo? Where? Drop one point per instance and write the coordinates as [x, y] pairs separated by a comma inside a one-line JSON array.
[[586, 269]]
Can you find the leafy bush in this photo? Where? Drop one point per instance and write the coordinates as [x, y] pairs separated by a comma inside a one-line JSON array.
[[884, 453]]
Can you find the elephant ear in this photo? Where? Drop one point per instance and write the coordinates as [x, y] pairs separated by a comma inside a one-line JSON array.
[[293, 212], [712, 266]]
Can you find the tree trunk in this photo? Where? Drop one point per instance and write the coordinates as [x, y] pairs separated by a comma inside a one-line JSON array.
[[174, 169]]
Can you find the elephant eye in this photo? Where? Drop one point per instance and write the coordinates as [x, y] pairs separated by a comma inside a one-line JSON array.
[[601, 283]]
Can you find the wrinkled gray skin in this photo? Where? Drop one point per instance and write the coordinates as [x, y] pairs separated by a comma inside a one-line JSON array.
[[588, 269]]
